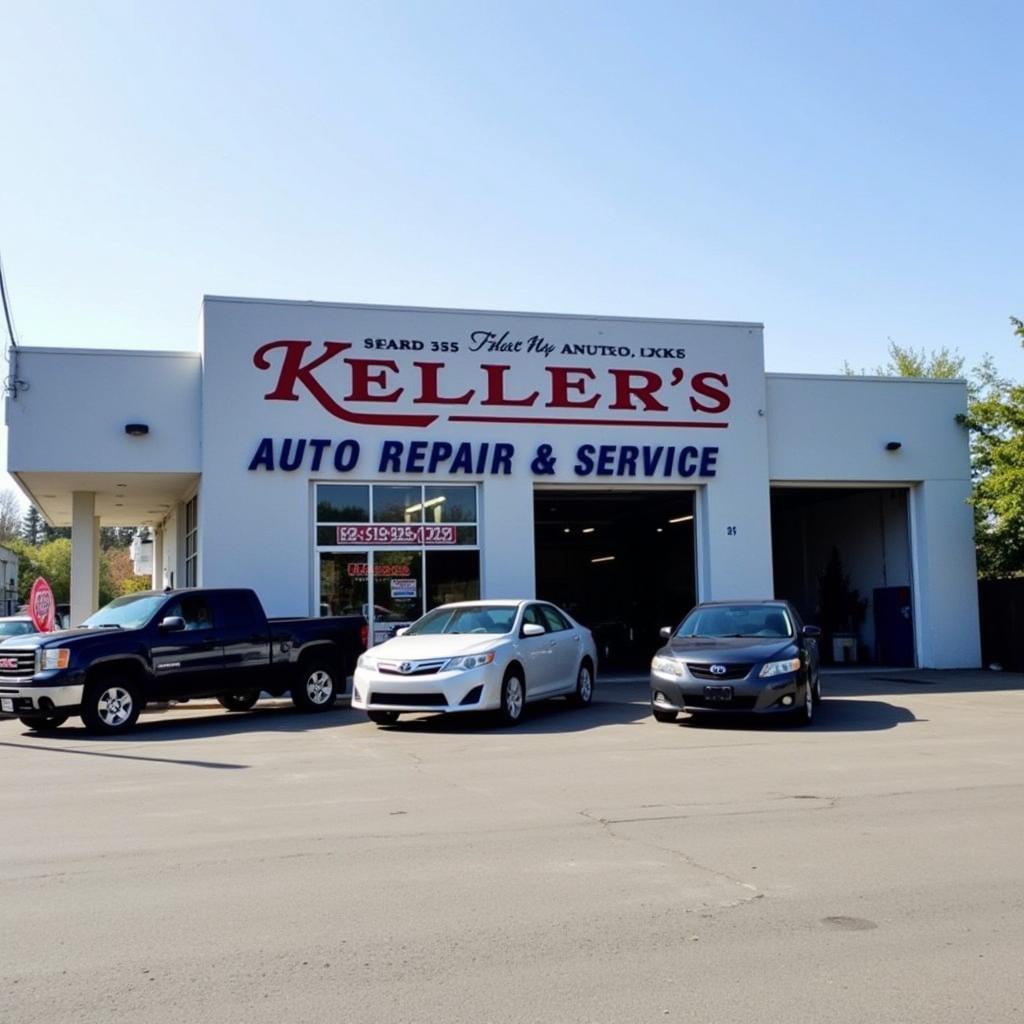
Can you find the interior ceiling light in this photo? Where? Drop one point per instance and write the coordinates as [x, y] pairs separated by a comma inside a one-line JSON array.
[[605, 558], [588, 529], [660, 529], [424, 504], [567, 530], [681, 519]]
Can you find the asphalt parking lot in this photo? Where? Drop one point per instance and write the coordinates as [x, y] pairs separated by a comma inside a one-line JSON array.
[[588, 866]]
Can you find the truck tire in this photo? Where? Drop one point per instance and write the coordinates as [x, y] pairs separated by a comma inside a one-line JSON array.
[[111, 706], [241, 700], [316, 686]]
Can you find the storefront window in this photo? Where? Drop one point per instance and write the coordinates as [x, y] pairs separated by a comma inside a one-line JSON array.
[[414, 548], [398, 504], [343, 503], [449, 504], [452, 576]]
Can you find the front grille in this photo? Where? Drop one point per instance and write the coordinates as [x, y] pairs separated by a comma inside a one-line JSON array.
[[424, 700], [702, 670], [416, 668], [735, 704], [17, 664]]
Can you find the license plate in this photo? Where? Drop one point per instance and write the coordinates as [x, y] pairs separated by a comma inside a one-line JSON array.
[[6, 704], [718, 693]]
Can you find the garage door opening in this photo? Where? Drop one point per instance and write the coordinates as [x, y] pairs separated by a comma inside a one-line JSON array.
[[842, 556], [620, 562]]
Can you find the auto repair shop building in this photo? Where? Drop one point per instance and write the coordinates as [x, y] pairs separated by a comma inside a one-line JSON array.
[[340, 457]]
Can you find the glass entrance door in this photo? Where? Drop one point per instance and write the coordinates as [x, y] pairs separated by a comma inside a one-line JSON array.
[[344, 582], [397, 592]]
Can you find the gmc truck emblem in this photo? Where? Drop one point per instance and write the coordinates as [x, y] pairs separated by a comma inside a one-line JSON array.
[[8, 662], [718, 670]]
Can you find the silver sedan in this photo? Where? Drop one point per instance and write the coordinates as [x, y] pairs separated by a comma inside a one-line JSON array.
[[478, 656]]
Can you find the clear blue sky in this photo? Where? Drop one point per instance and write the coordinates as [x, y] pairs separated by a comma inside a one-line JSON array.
[[842, 172]]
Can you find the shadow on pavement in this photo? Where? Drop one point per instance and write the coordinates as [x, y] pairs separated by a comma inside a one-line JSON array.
[[186, 722], [830, 716], [618, 700]]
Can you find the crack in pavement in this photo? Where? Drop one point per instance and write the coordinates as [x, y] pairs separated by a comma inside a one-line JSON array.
[[607, 825]]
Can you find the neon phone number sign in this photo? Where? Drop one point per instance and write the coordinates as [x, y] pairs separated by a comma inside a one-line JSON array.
[[396, 533]]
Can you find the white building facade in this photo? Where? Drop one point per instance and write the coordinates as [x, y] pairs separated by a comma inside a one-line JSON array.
[[341, 457]]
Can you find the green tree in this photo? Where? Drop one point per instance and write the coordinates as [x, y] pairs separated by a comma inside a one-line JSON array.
[[996, 421], [940, 363], [32, 525], [51, 560]]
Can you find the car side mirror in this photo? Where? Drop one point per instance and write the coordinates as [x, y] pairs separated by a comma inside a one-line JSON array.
[[665, 632], [402, 631], [811, 631], [533, 629], [172, 624]]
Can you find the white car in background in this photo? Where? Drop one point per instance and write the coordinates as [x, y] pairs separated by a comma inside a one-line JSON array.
[[478, 656]]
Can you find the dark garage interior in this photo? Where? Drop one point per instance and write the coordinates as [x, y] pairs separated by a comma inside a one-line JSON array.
[[842, 556], [621, 562]]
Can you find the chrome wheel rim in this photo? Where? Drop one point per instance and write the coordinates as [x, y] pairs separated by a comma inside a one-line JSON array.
[[319, 687], [514, 698], [585, 685], [114, 706]]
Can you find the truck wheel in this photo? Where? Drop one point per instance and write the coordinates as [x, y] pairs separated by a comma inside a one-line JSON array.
[[111, 706], [46, 723], [241, 701], [316, 687]]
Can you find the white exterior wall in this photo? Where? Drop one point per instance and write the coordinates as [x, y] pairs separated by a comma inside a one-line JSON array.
[[73, 414], [256, 526], [833, 430]]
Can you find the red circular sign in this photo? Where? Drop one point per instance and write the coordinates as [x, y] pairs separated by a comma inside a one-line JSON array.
[[41, 606]]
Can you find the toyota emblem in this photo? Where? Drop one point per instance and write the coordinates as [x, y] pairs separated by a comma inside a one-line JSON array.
[[405, 667], [718, 670]]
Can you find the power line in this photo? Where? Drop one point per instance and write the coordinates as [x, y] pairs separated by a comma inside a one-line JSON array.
[[12, 382], [7, 308]]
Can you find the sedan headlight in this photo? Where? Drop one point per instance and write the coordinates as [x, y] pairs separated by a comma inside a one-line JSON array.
[[779, 668], [468, 661], [54, 657], [667, 666], [365, 661]]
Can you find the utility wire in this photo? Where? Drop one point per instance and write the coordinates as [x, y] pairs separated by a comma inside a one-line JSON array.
[[7, 308]]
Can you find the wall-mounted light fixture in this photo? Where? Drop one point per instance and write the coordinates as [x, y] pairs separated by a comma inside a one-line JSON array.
[[893, 446], [136, 429]]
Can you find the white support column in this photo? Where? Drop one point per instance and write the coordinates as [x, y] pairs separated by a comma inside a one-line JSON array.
[[158, 559], [95, 562], [84, 556]]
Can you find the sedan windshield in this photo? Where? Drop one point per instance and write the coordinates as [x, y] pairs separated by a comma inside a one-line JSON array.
[[736, 620], [495, 619], [16, 627], [129, 612]]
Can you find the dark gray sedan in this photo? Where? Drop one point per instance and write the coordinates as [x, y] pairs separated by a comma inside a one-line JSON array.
[[755, 657]]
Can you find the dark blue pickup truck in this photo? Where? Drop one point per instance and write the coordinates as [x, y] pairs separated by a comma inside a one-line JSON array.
[[175, 645]]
